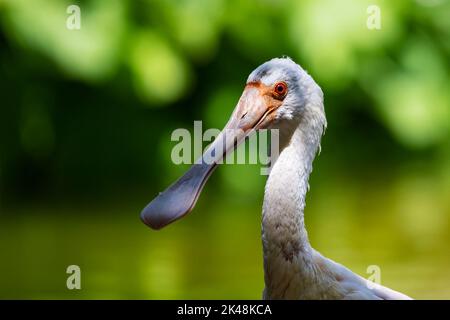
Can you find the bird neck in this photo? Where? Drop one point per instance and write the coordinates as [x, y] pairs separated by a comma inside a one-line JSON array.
[[287, 251]]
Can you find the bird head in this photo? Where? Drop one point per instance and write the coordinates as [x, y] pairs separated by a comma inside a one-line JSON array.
[[286, 89], [276, 95]]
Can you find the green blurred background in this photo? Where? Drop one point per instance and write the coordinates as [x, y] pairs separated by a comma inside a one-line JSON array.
[[85, 123]]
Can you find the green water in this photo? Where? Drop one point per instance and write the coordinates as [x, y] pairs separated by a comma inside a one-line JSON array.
[[214, 253]]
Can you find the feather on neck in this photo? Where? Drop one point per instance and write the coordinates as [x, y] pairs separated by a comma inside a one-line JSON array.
[[288, 256]]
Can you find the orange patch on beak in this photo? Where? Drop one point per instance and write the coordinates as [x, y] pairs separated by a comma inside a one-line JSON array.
[[263, 102]]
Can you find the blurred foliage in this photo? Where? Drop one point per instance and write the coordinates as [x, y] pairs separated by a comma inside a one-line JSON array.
[[86, 117]]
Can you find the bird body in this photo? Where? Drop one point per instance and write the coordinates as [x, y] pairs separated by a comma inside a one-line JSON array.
[[279, 94]]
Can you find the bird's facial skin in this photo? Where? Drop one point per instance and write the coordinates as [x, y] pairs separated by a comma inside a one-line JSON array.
[[259, 102]]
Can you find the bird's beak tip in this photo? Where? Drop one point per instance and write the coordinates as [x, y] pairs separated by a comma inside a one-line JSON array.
[[152, 223]]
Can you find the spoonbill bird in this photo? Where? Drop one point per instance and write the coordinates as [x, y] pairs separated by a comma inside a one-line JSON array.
[[279, 94]]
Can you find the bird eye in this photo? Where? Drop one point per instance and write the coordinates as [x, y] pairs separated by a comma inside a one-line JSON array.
[[280, 89]]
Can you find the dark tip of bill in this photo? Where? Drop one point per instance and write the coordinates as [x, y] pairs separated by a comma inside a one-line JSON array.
[[150, 222]]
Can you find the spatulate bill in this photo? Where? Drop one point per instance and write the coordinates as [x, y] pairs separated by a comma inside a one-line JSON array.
[[176, 201]]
